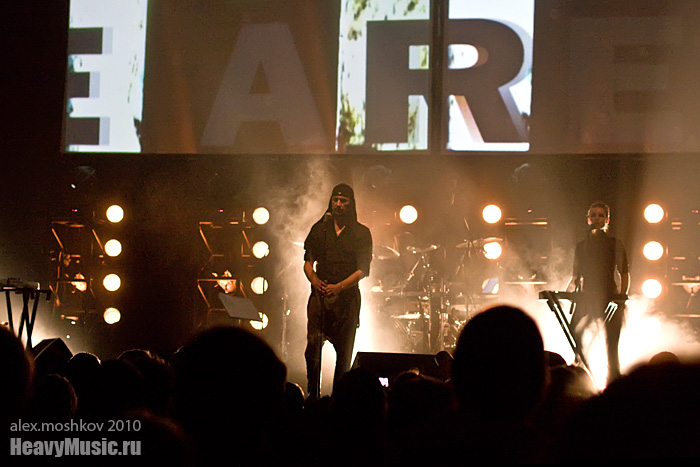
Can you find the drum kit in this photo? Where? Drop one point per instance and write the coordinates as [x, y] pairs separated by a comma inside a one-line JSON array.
[[428, 293]]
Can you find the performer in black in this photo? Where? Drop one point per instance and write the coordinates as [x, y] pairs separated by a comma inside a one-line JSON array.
[[341, 250], [598, 257]]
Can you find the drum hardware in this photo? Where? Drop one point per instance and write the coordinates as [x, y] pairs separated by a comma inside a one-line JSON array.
[[384, 252], [416, 303], [422, 250], [478, 243], [691, 285], [427, 306]]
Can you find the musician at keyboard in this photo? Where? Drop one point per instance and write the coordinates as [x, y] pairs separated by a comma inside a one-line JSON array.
[[598, 259]]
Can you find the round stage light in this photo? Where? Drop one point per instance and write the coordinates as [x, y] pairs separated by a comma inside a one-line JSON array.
[[493, 250], [408, 214], [491, 214], [651, 288], [260, 249], [113, 247], [112, 315], [258, 285], [115, 214], [261, 216], [654, 213], [653, 251], [112, 282], [260, 325]]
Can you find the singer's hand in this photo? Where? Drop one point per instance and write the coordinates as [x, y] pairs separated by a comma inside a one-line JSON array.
[[318, 284], [332, 290]]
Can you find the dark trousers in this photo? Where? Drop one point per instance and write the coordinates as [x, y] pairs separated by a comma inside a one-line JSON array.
[[337, 322], [589, 309]]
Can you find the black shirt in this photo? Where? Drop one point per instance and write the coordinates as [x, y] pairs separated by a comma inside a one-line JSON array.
[[338, 256], [596, 259]]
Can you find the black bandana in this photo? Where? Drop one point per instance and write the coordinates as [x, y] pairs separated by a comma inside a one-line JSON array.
[[343, 190]]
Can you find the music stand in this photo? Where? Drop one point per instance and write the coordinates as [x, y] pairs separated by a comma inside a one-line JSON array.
[[239, 307]]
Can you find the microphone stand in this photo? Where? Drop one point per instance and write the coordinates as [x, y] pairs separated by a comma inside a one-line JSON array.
[[317, 387]]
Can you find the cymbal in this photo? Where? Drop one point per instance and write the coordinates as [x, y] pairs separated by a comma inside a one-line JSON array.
[[409, 316], [533, 282], [384, 252], [478, 242], [416, 249], [395, 294]]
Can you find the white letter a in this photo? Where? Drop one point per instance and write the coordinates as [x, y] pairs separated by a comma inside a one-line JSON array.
[[289, 102]]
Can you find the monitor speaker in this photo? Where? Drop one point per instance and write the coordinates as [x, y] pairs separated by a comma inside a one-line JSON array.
[[51, 356], [390, 365]]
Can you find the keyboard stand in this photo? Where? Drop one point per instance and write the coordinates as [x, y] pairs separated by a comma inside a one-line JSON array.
[[27, 319], [557, 308]]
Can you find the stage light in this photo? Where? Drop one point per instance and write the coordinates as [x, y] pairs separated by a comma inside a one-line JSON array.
[[115, 214], [651, 288], [113, 248], [492, 250], [491, 214], [260, 325], [260, 249], [80, 283], [258, 285], [653, 251], [261, 216], [112, 315], [408, 214], [654, 213], [227, 285], [112, 282]]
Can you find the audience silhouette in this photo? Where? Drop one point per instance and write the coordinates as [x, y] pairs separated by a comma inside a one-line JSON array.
[[223, 397], [53, 400], [229, 397], [357, 412], [500, 377], [652, 413], [415, 402], [17, 377]]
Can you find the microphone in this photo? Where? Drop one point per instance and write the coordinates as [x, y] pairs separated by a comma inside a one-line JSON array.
[[592, 230]]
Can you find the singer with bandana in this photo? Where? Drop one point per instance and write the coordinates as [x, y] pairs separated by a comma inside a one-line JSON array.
[[338, 252]]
